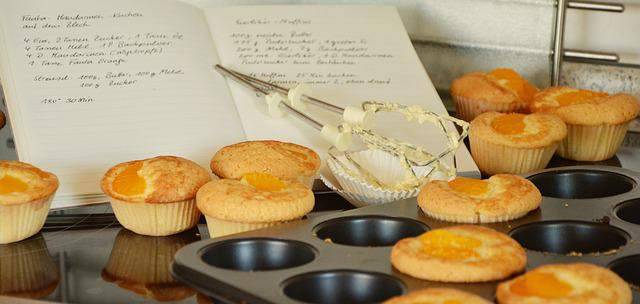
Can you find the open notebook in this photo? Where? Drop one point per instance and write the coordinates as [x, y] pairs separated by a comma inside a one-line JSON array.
[[91, 83]]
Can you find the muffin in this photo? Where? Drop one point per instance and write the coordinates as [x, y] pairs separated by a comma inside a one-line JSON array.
[[130, 267], [283, 160], [27, 270], [514, 143], [257, 200], [565, 283], [438, 296], [26, 193], [501, 90], [155, 196], [459, 254], [596, 122], [500, 198]]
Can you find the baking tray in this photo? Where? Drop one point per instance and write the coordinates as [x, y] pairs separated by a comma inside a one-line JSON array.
[[588, 214]]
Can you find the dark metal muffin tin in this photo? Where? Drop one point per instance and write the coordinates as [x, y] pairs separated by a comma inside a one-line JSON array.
[[588, 214]]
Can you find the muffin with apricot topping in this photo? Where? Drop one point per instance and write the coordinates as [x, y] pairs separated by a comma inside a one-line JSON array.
[[437, 296], [26, 193], [596, 122], [514, 143], [501, 90], [500, 198], [155, 196], [283, 160], [463, 254], [255, 201], [565, 283]]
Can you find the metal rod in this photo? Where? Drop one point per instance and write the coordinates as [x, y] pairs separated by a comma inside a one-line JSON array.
[[588, 55], [558, 42], [232, 74], [222, 70], [314, 123], [597, 6], [320, 103]]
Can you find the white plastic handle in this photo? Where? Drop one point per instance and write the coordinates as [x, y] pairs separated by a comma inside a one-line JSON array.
[[295, 96], [356, 116], [340, 140], [273, 101]]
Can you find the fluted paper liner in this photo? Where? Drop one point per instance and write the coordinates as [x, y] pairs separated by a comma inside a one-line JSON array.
[[493, 159], [218, 228], [156, 219], [467, 109], [592, 143], [477, 219], [20, 221], [383, 166]]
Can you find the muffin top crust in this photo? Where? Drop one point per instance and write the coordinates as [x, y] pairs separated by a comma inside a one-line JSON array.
[[256, 198], [584, 107], [501, 85], [162, 179], [519, 130], [22, 183], [284, 160], [566, 283]]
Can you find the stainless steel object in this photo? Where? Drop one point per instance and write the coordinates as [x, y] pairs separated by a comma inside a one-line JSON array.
[[592, 210], [559, 53]]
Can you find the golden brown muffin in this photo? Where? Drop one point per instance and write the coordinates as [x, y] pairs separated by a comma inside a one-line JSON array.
[[565, 284], [500, 198], [27, 270], [438, 296], [501, 90], [26, 193], [514, 143], [131, 268], [283, 160], [155, 196], [596, 122], [459, 254], [258, 200]]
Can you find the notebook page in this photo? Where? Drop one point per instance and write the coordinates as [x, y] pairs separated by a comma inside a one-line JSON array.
[[93, 83], [348, 54]]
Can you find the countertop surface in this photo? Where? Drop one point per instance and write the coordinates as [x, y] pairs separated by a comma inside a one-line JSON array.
[[85, 256]]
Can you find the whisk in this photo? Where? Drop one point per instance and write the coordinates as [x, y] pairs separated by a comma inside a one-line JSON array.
[[359, 122]]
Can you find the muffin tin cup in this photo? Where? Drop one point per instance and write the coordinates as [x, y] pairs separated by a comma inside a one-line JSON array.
[[577, 224]]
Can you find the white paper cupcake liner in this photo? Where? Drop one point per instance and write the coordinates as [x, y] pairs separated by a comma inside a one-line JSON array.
[[384, 167], [21, 221], [219, 228], [354, 199], [156, 219]]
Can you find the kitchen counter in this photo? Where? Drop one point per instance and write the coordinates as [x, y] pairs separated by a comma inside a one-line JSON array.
[[82, 257]]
